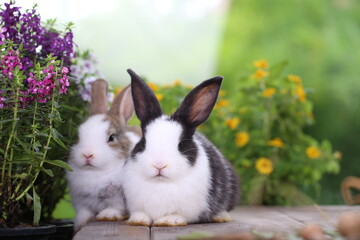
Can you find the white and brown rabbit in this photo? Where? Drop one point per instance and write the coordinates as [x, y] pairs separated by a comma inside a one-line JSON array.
[[175, 176], [98, 158]]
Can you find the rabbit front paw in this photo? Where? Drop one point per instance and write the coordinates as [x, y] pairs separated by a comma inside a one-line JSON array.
[[170, 220], [222, 217], [110, 214], [139, 218]]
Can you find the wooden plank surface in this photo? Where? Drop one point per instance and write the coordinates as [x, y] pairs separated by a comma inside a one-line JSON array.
[[171, 233], [279, 220], [112, 230]]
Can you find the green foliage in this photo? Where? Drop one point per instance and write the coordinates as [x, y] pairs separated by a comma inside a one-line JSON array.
[[27, 134], [260, 129], [321, 40], [35, 130]]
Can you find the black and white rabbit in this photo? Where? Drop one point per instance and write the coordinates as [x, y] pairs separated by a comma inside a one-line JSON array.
[[97, 160], [174, 175]]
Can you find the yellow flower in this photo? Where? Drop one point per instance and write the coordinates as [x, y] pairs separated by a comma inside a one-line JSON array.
[[177, 82], [221, 103], [300, 93], [232, 123], [268, 92], [261, 63], [153, 86], [159, 96], [276, 142], [338, 155], [313, 152], [259, 74], [264, 166], [294, 78], [117, 90], [242, 138]]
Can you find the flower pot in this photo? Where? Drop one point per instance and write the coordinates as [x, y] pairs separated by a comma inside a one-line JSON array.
[[64, 230], [28, 233]]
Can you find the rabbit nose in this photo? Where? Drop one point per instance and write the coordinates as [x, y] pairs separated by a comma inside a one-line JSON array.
[[88, 156], [159, 166]]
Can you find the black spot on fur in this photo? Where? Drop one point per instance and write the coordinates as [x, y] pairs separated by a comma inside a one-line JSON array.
[[187, 146], [223, 194], [139, 147]]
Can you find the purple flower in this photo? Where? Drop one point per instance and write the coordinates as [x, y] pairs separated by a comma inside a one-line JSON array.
[[65, 70], [2, 99], [64, 84], [9, 62], [26, 29]]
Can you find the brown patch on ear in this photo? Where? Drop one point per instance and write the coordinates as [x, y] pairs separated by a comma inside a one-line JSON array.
[[123, 105], [122, 144], [98, 103], [203, 104], [199, 102]]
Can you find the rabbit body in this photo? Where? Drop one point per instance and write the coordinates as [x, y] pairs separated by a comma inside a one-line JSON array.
[[175, 175], [97, 160]]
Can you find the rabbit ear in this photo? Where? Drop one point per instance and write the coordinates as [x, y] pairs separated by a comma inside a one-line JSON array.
[[147, 107], [199, 102], [98, 103], [122, 106]]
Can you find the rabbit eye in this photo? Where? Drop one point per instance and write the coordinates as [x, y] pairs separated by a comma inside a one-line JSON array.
[[112, 138]]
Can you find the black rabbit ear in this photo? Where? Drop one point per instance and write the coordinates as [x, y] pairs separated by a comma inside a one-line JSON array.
[[199, 102], [147, 107]]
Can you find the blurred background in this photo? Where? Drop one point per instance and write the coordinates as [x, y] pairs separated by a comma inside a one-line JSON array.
[[193, 40]]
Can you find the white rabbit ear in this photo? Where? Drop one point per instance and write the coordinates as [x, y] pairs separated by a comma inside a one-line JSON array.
[[123, 105], [147, 107], [199, 102], [98, 103]]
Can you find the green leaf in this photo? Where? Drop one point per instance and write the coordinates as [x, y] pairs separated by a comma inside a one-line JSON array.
[[59, 163], [277, 69], [47, 171], [61, 143], [8, 120], [23, 145], [37, 207], [55, 133], [56, 104]]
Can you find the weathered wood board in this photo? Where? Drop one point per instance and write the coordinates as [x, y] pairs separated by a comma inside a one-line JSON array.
[[280, 220], [112, 230]]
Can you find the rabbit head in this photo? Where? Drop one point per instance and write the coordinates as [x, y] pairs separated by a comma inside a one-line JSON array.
[[103, 139], [168, 150]]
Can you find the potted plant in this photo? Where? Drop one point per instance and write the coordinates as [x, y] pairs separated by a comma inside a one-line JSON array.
[[40, 108]]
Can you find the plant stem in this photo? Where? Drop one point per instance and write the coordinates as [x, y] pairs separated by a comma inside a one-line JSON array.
[[12, 134], [33, 140], [45, 152]]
